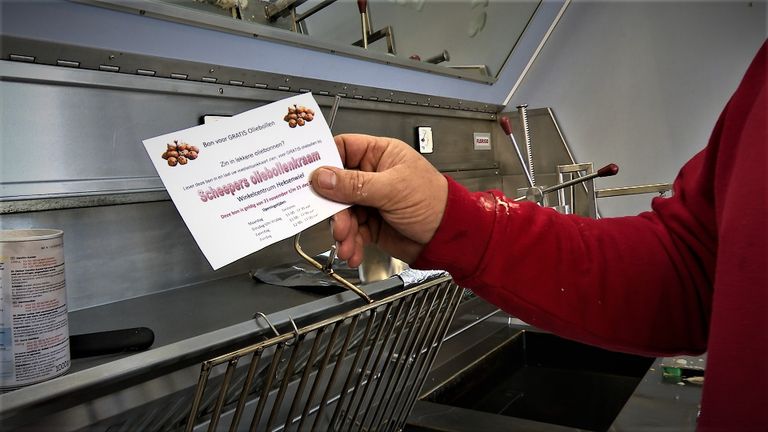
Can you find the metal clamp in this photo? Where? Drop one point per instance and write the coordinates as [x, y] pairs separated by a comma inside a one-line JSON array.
[[260, 314], [328, 268], [606, 171], [296, 335], [295, 332]]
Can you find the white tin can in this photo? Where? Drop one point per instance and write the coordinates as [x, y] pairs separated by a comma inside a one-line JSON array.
[[34, 330]]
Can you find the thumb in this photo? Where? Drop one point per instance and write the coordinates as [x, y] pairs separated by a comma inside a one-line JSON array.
[[351, 186]]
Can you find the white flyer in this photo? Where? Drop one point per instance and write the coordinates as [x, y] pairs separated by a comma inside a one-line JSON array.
[[242, 183]]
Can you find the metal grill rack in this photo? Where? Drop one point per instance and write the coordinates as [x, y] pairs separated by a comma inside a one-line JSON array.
[[359, 370]]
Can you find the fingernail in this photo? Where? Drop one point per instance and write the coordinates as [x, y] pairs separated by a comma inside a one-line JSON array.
[[326, 179]]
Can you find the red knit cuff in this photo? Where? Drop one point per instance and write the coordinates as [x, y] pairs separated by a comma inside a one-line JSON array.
[[462, 237]]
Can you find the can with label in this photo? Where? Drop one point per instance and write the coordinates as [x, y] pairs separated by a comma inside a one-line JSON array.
[[34, 330]]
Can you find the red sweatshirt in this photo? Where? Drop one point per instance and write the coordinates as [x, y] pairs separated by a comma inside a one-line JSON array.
[[687, 277]]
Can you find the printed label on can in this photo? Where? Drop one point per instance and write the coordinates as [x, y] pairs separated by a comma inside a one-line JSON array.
[[34, 331]]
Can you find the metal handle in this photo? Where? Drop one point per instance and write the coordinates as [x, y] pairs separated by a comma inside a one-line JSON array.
[[362, 6], [660, 188], [334, 110], [606, 171], [442, 57], [328, 268]]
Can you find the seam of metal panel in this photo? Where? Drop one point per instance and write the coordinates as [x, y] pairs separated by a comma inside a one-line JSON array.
[[26, 72], [23, 71], [45, 203]]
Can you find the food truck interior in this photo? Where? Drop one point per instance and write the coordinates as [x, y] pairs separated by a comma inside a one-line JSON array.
[[160, 341]]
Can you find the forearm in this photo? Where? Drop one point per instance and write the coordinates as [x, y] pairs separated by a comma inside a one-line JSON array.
[[623, 283]]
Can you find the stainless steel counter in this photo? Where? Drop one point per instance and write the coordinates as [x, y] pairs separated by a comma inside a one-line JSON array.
[[191, 324], [182, 313], [593, 383], [657, 405]]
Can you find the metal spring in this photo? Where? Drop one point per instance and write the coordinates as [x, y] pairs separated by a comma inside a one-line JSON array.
[[523, 110]]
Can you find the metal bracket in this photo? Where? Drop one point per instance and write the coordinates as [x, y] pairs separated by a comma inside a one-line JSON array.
[[327, 268]]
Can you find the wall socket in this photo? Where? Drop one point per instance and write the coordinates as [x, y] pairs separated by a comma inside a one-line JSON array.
[[424, 142]]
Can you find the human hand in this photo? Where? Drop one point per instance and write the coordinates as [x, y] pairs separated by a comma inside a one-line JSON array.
[[399, 196]]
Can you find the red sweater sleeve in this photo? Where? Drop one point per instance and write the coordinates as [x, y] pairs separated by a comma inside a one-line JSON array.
[[638, 284], [690, 275]]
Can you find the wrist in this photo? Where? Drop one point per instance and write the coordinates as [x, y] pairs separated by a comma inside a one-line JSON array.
[[459, 241]]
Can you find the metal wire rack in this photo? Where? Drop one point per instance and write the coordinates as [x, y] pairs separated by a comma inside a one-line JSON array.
[[358, 370]]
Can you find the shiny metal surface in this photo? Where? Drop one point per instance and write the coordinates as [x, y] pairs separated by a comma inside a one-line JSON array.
[[281, 8], [523, 111], [659, 188], [129, 63], [60, 21], [581, 174], [657, 405], [431, 417], [103, 191], [191, 325], [378, 265], [105, 159], [523, 163], [118, 252], [180, 14], [91, 200], [478, 330], [410, 342], [328, 268], [551, 150]]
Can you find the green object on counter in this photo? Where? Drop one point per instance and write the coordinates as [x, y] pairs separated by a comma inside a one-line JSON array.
[[671, 374]]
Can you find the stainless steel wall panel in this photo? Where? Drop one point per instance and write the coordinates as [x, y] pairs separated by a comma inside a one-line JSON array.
[[85, 25], [70, 130], [114, 253], [73, 136], [129, 64], [58, 139], [485, 183], [453, 140]]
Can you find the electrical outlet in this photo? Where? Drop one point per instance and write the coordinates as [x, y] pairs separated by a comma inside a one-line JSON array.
[[424, 142], [212, 118]]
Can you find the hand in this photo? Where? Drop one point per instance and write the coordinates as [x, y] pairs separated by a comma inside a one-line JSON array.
[[400, 197]]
